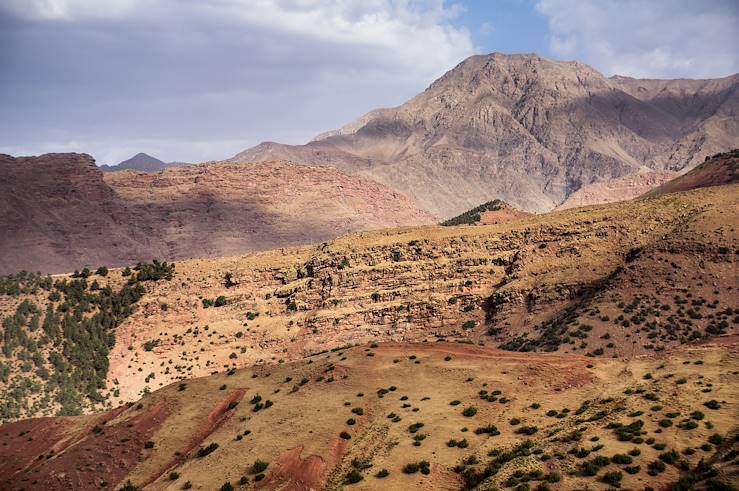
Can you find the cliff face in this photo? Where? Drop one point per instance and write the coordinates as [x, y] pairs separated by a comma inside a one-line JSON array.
[[526, 130], [59, 212], [227, 209]]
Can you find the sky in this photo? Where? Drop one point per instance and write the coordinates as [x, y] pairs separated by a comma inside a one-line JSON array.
[[200, 80]]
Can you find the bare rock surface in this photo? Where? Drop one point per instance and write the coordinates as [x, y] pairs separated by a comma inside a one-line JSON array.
[[59, 212], [526, 130]]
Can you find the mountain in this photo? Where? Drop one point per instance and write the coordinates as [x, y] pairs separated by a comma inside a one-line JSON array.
[[573, 349], [59, 212], [140, 162], [526, 130], [717, 170]]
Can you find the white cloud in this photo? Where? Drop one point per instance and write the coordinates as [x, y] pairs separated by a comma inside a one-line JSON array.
[[647, 38], [129, 72], [406, 31]]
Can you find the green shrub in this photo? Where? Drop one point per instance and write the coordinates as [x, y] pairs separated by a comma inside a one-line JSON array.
[[203, 451], [712, 404], [353, 477], [613, 478], [527, 430], [621, 459], [716, 439], [259, 466], [469, 411]]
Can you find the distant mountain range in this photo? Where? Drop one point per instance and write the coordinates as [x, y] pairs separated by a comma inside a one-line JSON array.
[[522, 129], [141, 162], [526, 130]]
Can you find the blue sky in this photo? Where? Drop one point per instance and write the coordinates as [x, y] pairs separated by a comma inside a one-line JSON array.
[[507, 26], [198, 80]]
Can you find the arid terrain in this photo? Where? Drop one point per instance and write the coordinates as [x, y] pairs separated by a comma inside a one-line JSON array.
[[587, 348], [526, 130], [400, 416], [618, 189], [59, 212]]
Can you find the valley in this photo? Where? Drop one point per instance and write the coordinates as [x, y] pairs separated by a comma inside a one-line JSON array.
[[586, 346]]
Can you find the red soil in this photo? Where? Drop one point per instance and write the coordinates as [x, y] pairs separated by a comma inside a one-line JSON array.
[[96, 456], [216, 418]]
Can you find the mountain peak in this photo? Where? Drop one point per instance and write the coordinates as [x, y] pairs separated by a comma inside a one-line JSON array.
[[524, 129], [142, 162]]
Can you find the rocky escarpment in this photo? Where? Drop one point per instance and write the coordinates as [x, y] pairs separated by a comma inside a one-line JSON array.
[[59, 212], [226, 209], [619, 189], [527, 130]]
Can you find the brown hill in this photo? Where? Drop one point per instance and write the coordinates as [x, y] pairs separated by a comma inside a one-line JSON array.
[[59, 212], [635, 303], [718, 170], [402, 416], [618, 189], [490, 213], [527, 130], [607, 280]]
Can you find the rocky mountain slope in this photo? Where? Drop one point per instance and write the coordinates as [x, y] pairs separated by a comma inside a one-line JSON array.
[[527, 130], [717, 170], [225, 209], [602, 281], [606, 281], [59, 212], [618, 189]]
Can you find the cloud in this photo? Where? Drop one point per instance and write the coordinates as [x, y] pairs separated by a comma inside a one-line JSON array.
[[199, 80], [647, 38]]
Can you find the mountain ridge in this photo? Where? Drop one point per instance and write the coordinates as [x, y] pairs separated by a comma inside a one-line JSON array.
[[141, 162], [60, 212], [526, 130]]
